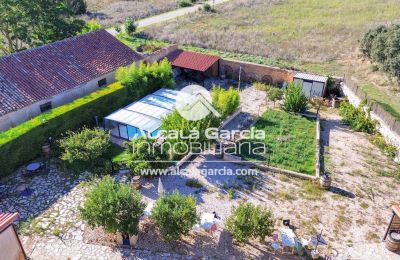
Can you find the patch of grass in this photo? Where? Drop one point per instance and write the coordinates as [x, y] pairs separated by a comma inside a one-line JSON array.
[[372, 236], [364, 205], [231, 194], [116, 154], [311, 190], [290, 140], [56, 232], [286, 195], [193, 183]]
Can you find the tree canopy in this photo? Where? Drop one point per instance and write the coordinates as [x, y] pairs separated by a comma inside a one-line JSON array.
[[31, 23]]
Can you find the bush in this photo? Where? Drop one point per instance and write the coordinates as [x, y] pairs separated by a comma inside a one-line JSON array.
[[185, 3], [175, 215], [208, 8], [91, 26], [145, 78], [382, 46], [357, 118], [117, 28], [130, 26], [144, 153], [114, 206], [225, 101], [23, 143], [248, 221], [274, 94], [84, 146], [294, 99], [388, 149], [77, 6], [193, 183]]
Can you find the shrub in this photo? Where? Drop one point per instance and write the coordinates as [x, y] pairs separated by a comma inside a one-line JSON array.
[[193, 183], [382, 46], [91, 26], [77, 6], [175, 215], [114, 206], [225, 101], [117, 28], [294, 99], [274, 94], [145, 154], [130, 26], [357, 118], [145, 78], [84, 146], [208, 8], [248, 221], [388, 149], [185, 3], [23, 143]]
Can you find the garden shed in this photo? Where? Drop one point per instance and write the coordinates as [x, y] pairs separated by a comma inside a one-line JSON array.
[[313, 85], [142, 117]]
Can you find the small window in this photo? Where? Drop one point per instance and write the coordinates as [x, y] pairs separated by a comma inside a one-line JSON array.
[[45, 107], [102, 82]]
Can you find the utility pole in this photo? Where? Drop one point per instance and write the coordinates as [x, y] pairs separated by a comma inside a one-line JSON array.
[[240, 73]]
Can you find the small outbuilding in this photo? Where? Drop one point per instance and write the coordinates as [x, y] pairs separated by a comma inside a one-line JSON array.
[[193, 64], [10, 245], [313, 85]]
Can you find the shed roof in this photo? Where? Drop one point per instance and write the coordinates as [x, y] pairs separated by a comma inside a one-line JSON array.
[[146, 113], [6, 219], [33, 75], [192, 60], [311, 77]]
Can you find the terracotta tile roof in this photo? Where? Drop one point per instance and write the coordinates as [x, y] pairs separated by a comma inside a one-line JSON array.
[[29, 76], [192, 60], [6, 219], [396, 209]]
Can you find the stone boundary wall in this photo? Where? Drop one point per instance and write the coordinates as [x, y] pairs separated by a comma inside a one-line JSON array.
[[254, 72], [387, 124]]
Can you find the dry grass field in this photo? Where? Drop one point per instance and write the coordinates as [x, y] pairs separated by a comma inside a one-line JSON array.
[[320, 36], [110, 12]]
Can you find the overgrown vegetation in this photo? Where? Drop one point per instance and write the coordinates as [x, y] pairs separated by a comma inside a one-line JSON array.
[[23, 142], [114, 206], [91, 26], [146, 78], [84, 146], [77, 6], [226, 101], [31, 23], [290, 141], [249, 221], [357, 118], [294, 99], [381, 45], [388, 149], [175, 215], [144, 153], [130, 26]]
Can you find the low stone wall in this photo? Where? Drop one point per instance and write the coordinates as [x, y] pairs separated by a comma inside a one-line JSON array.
[[255, 72]]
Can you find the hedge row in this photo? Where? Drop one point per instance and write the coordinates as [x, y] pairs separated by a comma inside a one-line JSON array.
[[22, 143]]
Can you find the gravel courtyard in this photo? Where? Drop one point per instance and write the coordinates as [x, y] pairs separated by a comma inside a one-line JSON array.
[[352, 215]]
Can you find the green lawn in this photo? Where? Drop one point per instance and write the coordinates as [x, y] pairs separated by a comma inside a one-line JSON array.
[[290, 139], [116, 154]]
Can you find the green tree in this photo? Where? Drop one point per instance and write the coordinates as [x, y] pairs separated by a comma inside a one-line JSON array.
[[130, 26], [146, 78], [226, 101], [84, 146], [146, 153], [91, 26], [274, 94], [77, 6], [294, 99], [31, 23], [248, 221], [175, 215], [116, 207]]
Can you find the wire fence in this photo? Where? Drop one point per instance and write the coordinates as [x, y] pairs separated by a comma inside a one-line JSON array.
[[378, 109]]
